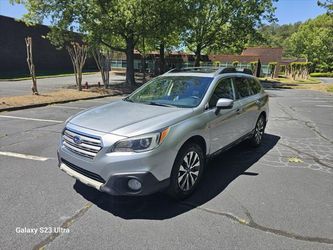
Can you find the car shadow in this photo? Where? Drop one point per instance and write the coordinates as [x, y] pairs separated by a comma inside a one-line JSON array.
[[220, 172]]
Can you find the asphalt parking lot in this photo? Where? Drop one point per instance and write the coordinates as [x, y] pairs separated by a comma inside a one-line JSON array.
[[23, 87], [279, 196]]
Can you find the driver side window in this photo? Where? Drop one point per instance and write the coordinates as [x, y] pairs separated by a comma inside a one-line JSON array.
[[222, 90]]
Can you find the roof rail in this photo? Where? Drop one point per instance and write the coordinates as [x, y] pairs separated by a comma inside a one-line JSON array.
[[194, 69], [235, 70], [214, 70]]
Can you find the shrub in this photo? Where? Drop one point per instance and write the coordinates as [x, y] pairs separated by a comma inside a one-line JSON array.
[[217, 63], [321, 74], [235, 63]]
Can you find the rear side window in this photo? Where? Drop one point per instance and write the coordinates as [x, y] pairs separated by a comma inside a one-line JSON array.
[[242, 88], [255, 86], [223, 90]]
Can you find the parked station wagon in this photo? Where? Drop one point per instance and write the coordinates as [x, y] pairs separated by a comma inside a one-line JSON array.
[[160, 137]]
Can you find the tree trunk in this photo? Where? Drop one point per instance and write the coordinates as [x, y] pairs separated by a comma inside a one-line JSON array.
[[130, 62], [78, 55], [79, 85], [31, 65], [103, 64], [197, 57], [162, 58]]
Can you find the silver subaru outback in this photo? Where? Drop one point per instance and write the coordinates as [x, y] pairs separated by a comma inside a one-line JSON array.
[[160, 136]]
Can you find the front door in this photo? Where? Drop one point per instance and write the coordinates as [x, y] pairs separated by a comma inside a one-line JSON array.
[[224, 126]]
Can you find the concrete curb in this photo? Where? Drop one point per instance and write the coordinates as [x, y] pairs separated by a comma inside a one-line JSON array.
[[37, 105]]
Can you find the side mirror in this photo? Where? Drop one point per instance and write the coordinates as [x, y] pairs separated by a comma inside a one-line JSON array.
[[223, 103]]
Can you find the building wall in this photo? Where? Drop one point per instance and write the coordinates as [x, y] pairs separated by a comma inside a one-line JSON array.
[[46, 57], [265, 54]]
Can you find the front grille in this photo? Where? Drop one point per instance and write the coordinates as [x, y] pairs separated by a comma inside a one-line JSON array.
[[84, 172], [88, 145]]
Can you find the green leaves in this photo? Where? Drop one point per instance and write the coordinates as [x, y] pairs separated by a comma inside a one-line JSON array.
[[216, 25], [314, 40]]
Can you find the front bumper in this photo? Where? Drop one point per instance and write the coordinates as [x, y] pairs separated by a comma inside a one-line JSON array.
[[117, 184]]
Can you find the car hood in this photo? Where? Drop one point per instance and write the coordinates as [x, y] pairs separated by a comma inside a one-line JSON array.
[[129, 119]]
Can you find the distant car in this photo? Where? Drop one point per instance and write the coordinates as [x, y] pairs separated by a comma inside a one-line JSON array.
[[160, 136]]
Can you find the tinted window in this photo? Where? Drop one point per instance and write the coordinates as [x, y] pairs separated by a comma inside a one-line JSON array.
[[241, 87], [255, 86], [223, 90], [179, 91]]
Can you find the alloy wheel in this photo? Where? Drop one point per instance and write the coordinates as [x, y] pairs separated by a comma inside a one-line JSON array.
[[189, 171], [259, 130]]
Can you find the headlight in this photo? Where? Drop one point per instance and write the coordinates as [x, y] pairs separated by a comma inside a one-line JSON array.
[[141, 143]]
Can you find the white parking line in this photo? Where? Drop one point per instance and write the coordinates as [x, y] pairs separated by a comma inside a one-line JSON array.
[[29, 119], [66, 107], [24, 156], [325, 106]]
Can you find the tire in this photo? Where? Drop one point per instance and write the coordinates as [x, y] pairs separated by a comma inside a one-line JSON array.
[[186, 177], [259, 130]]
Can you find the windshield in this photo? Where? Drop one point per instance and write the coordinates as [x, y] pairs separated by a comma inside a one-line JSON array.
[[178, 91]]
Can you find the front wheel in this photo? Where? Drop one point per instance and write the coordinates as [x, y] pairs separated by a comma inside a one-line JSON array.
[[187, 171], [259, 131]]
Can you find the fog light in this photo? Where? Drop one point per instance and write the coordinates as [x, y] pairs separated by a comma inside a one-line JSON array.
[[134, 184]]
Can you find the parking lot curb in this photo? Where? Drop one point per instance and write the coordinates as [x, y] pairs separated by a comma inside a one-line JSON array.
[[37, 105]]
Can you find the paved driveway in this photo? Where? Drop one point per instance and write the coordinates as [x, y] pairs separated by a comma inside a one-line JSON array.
[[328, 80], [279, 196], [16, 88]]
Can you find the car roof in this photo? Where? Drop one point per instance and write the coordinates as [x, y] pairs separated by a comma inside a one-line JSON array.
[[208, 71]]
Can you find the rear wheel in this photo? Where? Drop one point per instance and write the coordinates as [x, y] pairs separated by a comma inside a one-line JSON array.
[[259, 131], [187, 171]]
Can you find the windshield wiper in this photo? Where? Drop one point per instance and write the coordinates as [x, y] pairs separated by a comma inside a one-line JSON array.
[[160, 104]]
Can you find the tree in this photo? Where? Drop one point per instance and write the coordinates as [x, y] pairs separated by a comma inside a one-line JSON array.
[[171, 18], [327, 4], [31, 65], [78, 54], [314, 41], [116, 24], [299, 70], [217, 25], [272, 66], [275, 35], [102, 59]]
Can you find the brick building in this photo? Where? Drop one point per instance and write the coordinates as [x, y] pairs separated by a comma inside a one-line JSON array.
[[261, 55], [264, 55]]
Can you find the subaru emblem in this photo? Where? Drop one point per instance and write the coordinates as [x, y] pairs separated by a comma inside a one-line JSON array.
[[77, 139]]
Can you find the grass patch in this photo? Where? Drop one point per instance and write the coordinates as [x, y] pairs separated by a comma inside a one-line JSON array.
[[62, 95], [285, 80], [330, 88], [321, 74], [286, 83]]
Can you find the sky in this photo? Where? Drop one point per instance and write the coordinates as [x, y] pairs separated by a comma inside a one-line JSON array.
[[287, 11]]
